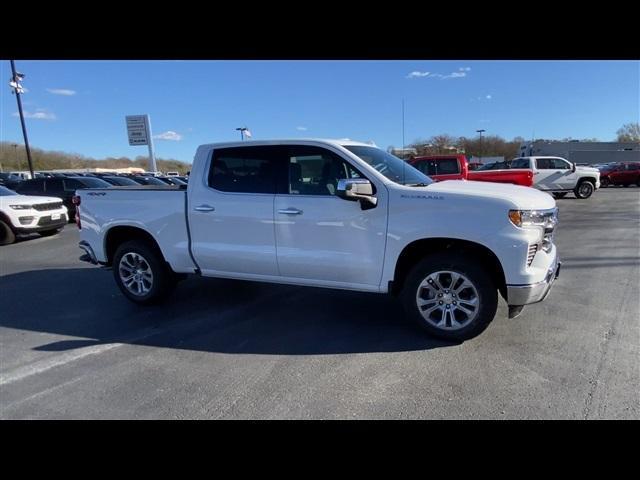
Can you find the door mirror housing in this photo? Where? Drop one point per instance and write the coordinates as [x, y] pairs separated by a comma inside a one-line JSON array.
[[356, 189], [573, 167]]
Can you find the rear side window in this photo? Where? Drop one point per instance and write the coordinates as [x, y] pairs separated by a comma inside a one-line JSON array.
[[520, 163], [428, 167], [246, 169], [544, 163], [447, 166]]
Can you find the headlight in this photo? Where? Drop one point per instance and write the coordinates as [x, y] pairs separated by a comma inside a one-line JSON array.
[[529, 218], [21, 207]]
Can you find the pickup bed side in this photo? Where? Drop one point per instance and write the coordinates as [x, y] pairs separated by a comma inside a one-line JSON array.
[[121, 212]]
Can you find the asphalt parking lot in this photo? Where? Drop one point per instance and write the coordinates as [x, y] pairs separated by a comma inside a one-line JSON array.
[[73, 347]]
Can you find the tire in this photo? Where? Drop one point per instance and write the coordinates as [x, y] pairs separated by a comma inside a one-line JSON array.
[[604, 182], [638, 183], [7, 236], [48, 233], [584, 189], [154, 278], [560, 194], [434, 269]]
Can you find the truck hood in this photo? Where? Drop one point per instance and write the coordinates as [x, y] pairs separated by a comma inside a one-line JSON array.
[[588, 170], [28, 200], [524, 198]]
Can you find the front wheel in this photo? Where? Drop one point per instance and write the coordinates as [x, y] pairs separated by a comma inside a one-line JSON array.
[[7, 236], [450, 296], [584, 189], [141, 273]]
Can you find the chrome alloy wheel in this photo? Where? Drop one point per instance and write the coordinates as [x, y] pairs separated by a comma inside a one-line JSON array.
[[585, 189], [448, 300], [135, 273]]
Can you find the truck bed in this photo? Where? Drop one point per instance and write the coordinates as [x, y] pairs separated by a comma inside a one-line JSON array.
[[161, 211], [517, 176]]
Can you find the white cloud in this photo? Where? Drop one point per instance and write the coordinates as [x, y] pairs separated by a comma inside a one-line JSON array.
[[39, 114], [169, 135], [462, 72], [61, 91], [488, 97], [302, 129], [417, 74]]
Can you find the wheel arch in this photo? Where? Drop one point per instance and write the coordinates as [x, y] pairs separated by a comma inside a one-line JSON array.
[[419, 249], [119, 234]]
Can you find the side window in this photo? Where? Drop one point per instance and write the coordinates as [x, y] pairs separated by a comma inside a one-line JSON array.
[[54, 185], [71, 184], [428, 167], [560, 164], [447, 166], [316, 171], [245, 169], [544, 164], [520, 163]]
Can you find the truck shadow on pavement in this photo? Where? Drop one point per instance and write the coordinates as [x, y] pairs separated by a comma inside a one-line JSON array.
[[211, 315]]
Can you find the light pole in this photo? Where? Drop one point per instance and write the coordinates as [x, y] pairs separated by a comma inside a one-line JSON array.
[[480, 132], [244, 131], [14, 83]]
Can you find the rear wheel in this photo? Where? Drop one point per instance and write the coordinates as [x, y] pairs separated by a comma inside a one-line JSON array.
[[450, 296], [560, 194], [6, 234], [141, 273], [584, 189]]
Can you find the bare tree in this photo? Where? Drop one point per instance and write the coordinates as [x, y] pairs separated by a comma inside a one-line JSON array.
[[629, 132]]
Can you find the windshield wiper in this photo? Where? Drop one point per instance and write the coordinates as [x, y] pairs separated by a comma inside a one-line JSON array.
[[421, 184]]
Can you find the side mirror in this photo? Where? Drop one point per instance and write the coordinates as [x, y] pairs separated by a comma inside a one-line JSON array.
[[356, 189], [573, 167]]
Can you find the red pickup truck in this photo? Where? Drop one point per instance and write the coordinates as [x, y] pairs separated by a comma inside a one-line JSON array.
[[456, 167]]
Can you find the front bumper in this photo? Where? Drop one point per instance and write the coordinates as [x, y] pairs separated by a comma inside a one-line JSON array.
[[42, 224], [518, 295]]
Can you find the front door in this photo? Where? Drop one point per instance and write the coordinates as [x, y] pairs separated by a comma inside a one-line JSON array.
[[553, 174], [321, 237]]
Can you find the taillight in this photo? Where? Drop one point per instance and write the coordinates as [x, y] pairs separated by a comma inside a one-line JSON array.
[[76, 200]]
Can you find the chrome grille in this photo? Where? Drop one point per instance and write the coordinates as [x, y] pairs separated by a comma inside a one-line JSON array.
[[533, 249], [43, 207]]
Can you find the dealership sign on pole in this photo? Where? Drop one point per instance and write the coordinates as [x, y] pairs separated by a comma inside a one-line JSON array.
[[139, 132]]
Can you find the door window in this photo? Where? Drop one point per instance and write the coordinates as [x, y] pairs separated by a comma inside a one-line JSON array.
[[447, 166], [316, 171], [245, 169], [520, 163], [560, 164]]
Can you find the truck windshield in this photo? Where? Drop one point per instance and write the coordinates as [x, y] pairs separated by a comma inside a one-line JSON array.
[[390, 166]]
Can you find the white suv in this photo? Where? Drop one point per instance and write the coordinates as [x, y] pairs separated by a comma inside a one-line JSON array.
[[20, 214]]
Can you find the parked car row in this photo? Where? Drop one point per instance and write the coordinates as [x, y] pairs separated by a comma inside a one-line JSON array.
[[553, 175], [620, 173]]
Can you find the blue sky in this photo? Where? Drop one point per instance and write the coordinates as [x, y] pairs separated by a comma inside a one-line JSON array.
[[79, 106]]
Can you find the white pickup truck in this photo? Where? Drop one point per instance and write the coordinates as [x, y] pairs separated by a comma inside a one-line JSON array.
[[559, 176], [337, 214]]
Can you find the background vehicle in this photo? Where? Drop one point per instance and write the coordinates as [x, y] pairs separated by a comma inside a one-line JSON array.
[[63, 188], [173, 174], [335, 214], [144, 180], [625, 174], [10, 180], [119, 181], [456, 167], [559, 176], [21, 214], [171, 180]]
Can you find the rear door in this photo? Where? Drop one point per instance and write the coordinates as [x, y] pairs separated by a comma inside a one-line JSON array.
[[321, 237], [552, 175], [231, 212]]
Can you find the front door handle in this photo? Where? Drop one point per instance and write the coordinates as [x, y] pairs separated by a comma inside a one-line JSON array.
[[290, 211], [205, 208]]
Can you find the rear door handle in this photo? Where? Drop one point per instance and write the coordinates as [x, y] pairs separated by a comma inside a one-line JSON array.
[[290, 211], [205, 208]]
